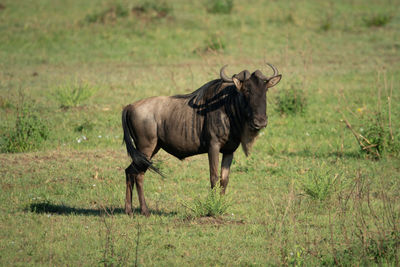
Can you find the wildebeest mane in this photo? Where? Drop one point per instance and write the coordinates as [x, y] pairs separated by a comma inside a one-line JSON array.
[[204, 93], [214, 95], [210, 96]]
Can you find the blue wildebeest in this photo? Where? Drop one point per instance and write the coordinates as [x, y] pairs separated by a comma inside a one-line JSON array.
[[214, 119]]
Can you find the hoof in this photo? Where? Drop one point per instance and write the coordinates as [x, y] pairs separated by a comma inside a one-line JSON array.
[[128, 211], [145, 213]]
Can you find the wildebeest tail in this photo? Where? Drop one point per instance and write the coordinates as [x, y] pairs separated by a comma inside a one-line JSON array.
[[139, 160]]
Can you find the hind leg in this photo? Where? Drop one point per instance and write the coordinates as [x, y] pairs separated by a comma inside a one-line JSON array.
[[139, 188], [130, 180], [143, 128], [149, 151]]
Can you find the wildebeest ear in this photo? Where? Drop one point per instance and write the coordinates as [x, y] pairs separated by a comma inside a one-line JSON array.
[[238, 83], [274, 80]]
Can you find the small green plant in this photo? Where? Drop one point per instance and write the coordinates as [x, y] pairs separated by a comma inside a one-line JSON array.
[[384, 247], [378, 20], [159, 8], [219, 6], [214, 43], [74, 94], [28, 133], [214, 205], [326, 24], [5, 103], [291, 101], [289, 19], [374, 134], [319, 186], [373, 130], [376, 137], [84, 127], [110, 14], [282, 19], [112, 256], [296, 257], [327, 17]]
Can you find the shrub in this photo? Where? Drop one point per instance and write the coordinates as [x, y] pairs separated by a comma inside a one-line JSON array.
[[326, 24], [212, 44], [378, 20], [215, 44], [384, 247], [319, 186], [373, 130], [74, 94], [215, 204], [158, 6], [110, 14], [327, 17], [219, 6], [147, 10], [376, 137], [5, 103], [28, 133], [86, 126], [157, 9], [289, 19], [291, 101], [296, 258], [381, 250]]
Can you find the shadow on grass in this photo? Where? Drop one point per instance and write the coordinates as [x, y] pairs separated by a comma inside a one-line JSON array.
[[46, 207]]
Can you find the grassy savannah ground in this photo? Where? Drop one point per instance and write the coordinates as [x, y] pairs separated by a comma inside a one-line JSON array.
[[305, 196]]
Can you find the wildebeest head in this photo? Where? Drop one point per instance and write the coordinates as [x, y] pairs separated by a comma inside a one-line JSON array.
[[254, 87]]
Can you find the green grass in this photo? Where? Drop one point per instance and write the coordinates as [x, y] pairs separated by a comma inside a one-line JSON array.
[[214, 205], [219, 6], [292, 100], [28, 133], [378, 20], [306, 195], [73, 94]]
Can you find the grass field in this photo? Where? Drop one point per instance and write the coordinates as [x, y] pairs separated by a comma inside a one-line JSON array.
[[307, 195]]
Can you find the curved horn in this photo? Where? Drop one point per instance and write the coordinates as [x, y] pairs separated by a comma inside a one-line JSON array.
[[274, 69], [223, 75]]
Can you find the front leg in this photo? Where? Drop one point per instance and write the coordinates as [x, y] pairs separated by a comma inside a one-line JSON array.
[[213, 158], [225, 169]]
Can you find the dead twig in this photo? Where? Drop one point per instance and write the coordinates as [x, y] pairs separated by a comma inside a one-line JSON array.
[[173, 80], [331, 241], [352, 130], [390, 109], [109, 244], [368, 147], [363, 146], [366, 140], [137, 242]]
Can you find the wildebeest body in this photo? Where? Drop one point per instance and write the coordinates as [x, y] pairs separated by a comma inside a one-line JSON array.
[[214, 119]]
